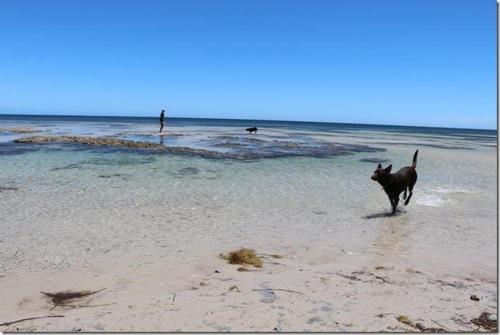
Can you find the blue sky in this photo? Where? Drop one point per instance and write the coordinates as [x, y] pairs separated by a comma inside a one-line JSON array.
[[410, 62]]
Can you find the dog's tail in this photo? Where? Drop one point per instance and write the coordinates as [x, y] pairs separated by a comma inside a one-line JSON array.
[[414, 162]]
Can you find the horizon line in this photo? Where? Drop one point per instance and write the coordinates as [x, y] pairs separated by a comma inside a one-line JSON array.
[[266, 120]]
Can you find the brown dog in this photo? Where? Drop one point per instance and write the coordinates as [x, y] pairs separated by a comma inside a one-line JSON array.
[[395, 183]]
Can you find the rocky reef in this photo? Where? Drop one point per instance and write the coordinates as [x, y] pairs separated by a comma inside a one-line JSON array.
[[87, 140], [118, 143], [240, 149]]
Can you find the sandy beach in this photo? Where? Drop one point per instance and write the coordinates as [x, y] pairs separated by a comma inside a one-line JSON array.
[[148, 228]]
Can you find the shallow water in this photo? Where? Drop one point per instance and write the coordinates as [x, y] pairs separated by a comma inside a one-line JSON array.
[[72, 204]]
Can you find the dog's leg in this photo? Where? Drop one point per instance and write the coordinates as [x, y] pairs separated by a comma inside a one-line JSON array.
[[409, 197], [395, 202], [390, 200], [404, 194]]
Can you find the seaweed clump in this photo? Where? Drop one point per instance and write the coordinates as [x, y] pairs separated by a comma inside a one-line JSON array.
[[485, 321], [62, 298], [406, 320], [244, 257]]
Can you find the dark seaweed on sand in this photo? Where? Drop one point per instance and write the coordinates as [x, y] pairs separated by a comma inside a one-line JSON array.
[[405, 320], [60, 298], [485, 321]]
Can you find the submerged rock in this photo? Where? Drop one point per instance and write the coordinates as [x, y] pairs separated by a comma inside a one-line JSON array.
[[8, 188], [187, 171], [110, 175]]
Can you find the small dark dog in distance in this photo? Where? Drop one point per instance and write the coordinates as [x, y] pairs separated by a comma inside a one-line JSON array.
[[395, 183], [252, 130]]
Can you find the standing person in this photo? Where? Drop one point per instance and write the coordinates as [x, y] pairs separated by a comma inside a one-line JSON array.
[[162, 119]]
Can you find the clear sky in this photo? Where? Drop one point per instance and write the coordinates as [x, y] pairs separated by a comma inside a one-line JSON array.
[[410, 62]]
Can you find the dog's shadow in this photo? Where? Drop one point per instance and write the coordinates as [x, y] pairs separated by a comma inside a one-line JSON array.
[[383, 215]]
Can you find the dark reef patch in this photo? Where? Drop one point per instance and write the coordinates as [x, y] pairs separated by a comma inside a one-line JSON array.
[[120, 161], [374, 160], [188, 171], [12, 149], [243, 148], [8, 188], [246, 147], [87, 140], [230, 145], [66, 167], [110, 175]]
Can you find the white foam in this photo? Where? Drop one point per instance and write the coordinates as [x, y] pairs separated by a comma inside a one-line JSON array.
[[452, 190], [430, 200]]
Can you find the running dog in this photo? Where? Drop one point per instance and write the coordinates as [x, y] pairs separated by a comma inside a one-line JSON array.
[[395, 183]]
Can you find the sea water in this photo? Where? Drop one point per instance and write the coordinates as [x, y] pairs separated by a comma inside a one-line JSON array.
[[293, 184]]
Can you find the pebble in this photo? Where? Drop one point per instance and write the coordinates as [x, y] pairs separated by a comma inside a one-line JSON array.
[[474, 297]]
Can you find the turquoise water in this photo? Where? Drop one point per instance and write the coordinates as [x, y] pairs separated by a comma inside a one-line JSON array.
[[292, 184]]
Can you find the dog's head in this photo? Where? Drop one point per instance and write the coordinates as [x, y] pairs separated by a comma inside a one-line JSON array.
[[381, 174]]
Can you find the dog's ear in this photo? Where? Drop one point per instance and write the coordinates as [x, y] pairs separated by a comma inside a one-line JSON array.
[[379, 166], [388, 169]]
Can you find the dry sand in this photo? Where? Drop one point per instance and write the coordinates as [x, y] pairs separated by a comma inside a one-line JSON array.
[[329, 291]]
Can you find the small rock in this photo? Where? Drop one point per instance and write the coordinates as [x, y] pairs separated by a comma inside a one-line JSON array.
[[216, 271], [474, 297]]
